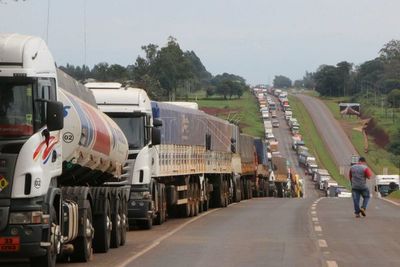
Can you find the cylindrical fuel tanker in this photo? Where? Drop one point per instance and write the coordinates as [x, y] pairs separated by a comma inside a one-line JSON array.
[[90, 138], [58, 154]]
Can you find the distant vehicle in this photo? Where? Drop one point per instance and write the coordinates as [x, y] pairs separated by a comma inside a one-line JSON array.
[[288, 115], [295, 130], [386, 184], [275, 123], [354, 159], [343, 192], [338, 191], [311, 166], [271, 106], [269, 136], [273, 114], [320, 175], [327, 184]]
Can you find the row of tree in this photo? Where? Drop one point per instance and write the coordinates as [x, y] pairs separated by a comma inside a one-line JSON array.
[[165, 73], [380, 75]]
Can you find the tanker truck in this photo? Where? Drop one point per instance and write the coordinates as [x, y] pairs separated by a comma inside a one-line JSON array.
[[57, 154], [188, 168]]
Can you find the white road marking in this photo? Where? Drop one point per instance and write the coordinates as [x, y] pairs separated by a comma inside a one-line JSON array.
[[313, 208], [313, 212], [159, 240], [318, 228], [331, 264], [314, 219], [390, 201], [322, 243]]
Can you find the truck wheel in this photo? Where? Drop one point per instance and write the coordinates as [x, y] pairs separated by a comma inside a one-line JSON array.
[[49, 260], [124, 221], [83, 244], [102, 229], [116, 224], [206, 201], [196, 199], [146, 224]]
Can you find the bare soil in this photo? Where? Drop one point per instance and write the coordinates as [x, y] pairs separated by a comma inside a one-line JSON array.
[[381, 138]]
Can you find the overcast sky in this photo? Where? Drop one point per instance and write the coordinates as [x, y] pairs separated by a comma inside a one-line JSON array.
[[256, 39]]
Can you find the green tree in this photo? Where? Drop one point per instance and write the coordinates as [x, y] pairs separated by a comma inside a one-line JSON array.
[[308, 80], [229, 85], [328, 81], [172, 68], [281, 81], [393, 98]]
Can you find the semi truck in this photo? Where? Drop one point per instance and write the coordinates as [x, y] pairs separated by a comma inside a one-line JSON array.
[[57, 153], [195, 165], [386, 184]]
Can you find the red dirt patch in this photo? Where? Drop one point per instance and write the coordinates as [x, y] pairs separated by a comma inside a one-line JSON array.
[[381, 138]]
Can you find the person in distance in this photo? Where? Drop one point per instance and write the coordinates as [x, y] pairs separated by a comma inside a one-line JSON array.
[[358, 175]]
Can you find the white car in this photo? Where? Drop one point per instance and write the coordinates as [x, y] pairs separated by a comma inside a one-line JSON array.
[[343, 192]]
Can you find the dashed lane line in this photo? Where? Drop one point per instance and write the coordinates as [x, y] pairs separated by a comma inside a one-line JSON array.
[[318, 228], [322, 243], [331, 264]]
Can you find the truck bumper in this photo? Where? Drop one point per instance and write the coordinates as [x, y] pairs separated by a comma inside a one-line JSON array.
[[30, 238], [138, 209]]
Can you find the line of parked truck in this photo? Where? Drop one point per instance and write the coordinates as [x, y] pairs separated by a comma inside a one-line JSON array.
[[80, 165], [283, 180]]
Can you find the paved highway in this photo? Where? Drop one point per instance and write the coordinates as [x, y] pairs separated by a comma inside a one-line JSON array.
[[339, 145], [312, 231], [283, 135]]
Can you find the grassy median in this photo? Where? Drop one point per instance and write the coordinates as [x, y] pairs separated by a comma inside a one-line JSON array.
[[314, 142]]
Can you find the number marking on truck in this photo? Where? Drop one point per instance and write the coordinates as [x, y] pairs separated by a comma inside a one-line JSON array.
[[9, 244]]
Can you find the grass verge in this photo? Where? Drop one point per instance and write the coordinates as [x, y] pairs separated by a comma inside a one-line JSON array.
[[395, 195], [244, 110], [378, 158], [314, 142]]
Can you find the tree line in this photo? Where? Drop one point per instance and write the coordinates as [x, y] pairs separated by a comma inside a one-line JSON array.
[[380, 75], [166, 73]]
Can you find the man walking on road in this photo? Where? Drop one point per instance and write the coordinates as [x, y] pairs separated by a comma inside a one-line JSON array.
[[358, 175]]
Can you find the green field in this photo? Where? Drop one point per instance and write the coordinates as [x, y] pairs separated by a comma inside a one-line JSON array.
[[245, 111], [395, 195], [314, 142]]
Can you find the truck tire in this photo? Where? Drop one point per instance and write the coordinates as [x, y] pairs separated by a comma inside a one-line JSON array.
[[48, 260], [196, 199], [102, 229], [124, 221], [206, 200], [145, 224], [116, 224], [83, 244]]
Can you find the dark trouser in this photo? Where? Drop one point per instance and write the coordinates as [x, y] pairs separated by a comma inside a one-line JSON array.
[[356, 193]]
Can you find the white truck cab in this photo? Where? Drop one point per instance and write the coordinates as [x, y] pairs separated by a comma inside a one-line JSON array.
[[386, 184]]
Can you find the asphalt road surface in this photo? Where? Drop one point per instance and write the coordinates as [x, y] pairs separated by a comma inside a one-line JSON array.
[[336, 140], [310, 231], [284, 137]]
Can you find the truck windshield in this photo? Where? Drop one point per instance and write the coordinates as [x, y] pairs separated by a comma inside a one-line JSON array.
[[133, 128], [16, 107]]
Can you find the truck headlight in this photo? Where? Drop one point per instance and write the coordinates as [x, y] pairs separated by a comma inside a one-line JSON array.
[[27, 217]]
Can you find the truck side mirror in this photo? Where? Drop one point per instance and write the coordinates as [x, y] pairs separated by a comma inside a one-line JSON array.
[[55, 115], [157, 122], [155, 136]]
